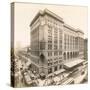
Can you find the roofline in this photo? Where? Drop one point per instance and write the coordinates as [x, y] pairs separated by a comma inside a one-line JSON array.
[[69, 27], [46, 11], [36, 16], [78, 30]]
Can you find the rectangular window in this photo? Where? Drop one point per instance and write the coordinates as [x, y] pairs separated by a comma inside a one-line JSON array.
[[55, 68], [55, 47], [60, 61], [55, 41], [49, 46], [56, 62], [49, 64], [60, 52], [49, 70], [55, 53], [42, 45], [49, 53], [60, 67], [49, 41]]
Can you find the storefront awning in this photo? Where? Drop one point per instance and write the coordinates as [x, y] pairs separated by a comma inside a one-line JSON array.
[[72, 63], [59, 71]]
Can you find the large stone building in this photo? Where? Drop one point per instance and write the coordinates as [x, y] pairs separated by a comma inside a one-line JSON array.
[[54, 43]]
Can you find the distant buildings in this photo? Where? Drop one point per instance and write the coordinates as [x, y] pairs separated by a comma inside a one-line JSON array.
[[54, 43]]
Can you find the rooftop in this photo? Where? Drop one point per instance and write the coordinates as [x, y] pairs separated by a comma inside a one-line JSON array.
[[78, 30], [69, 27], [46, 11]]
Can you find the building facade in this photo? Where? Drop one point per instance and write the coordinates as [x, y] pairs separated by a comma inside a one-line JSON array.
[[86, 49], [53, 43]]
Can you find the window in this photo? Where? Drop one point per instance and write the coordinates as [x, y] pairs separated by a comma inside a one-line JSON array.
[[49, 46], [60, 67], [55, 47], [49, 60], [55, 41], [65, 41], [55, 53], [55, 33], [56, 62], [49, 41], [64, 56], [49, 34], [49, 64], [55, 68], [60, 58], [49, 31], [42, 45], [49, 70], [60, 35], [49, 38], [49, 53], [60, 41], [60, 52], [60, 61]]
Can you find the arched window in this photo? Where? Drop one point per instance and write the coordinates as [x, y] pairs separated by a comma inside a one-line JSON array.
[[73, 54], [64, 56], [49, 70], [55, 68], [42, 57], [68, 55]]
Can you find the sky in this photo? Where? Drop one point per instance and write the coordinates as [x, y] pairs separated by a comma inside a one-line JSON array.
[[75, 16]]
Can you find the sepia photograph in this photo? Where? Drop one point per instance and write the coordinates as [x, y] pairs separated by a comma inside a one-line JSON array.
[[49, 44]]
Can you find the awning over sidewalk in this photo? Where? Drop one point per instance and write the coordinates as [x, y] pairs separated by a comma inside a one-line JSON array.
[[72, 63], [59, 71]]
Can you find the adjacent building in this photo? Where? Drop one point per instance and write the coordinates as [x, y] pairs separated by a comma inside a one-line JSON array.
[[54, 44], [86, 49]]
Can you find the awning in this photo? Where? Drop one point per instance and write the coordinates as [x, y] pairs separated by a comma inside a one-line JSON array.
[[73, 63], [59, 71], [50, 75]]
